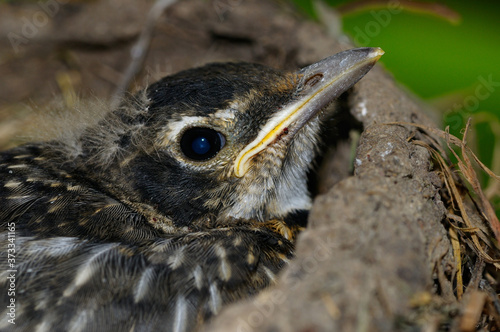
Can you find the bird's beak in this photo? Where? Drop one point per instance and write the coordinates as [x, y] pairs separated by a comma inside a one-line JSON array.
[[319, 84]]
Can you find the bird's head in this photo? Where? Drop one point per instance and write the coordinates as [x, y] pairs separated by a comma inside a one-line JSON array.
[[229, 140]]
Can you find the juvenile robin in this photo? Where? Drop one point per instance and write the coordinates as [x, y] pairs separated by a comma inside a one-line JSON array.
[[184, 199]]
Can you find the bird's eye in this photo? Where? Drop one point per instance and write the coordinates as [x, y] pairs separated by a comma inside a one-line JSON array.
[[201, 143]]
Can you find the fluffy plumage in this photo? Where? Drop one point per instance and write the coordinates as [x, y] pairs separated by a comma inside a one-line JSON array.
[[122, 228]]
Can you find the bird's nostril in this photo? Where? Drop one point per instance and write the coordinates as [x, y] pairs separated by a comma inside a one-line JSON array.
[[313, 80]]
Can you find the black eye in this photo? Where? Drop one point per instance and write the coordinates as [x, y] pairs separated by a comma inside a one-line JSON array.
[[201, 143]]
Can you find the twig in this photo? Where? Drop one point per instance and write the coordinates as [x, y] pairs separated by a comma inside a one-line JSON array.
[[140, 50], [467, 169], [430, 8], [458, 261]]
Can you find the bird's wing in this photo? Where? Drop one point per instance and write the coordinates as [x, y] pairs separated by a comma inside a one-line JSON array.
[[43, 199], [70, 284], [80, 260]]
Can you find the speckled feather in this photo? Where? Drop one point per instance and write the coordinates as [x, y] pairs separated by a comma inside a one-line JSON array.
[[115, 230], [84, 257]]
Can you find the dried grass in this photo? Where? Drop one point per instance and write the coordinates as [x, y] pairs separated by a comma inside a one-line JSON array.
[[474, 228]]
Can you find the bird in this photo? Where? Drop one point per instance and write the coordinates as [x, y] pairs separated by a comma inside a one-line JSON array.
[[185, 198]]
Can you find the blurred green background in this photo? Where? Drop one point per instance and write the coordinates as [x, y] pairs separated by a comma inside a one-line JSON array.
[[444, 51]]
